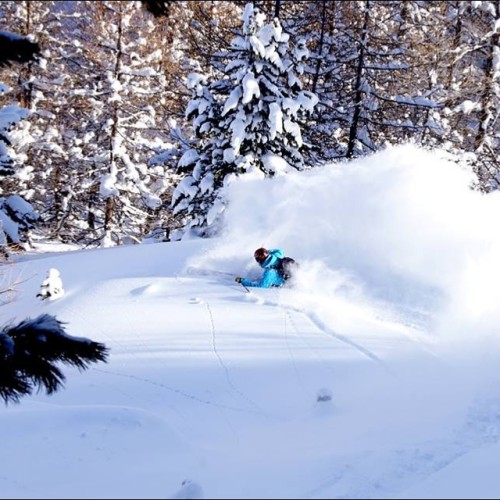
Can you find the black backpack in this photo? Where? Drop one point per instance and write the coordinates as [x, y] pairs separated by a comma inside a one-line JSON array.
[[286, 267]]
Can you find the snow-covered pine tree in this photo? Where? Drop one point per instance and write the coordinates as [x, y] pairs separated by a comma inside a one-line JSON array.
[[17, 216], [248, 121], [43, 176], [195, 32], [195, 193], [386, 107]]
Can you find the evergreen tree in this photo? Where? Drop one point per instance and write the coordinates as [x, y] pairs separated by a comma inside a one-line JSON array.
[[31, 350], [17, 216], [248, 121], [43, 150]]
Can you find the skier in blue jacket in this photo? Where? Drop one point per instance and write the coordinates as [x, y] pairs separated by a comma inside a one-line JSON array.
[[267, 259]]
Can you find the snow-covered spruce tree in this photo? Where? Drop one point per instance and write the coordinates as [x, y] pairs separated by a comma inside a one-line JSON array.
[[248, 121], [195, 194], [195, 33], [17, 216], [43, 176]]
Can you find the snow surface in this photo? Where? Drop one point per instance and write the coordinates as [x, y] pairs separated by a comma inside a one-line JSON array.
[[376, 376]]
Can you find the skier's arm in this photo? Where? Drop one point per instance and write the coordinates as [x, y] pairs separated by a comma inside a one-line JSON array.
[[268, 280], [246, 282]]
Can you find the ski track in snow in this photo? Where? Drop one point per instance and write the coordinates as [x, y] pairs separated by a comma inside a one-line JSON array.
[[252, 403], [155, 288], [356, 475], [322, 327], [408, 465]]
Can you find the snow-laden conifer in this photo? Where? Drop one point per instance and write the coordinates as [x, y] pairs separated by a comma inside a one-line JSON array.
[[16, 214], [249, 121]]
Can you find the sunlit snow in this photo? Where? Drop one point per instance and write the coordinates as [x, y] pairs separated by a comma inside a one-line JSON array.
[[375, 376]]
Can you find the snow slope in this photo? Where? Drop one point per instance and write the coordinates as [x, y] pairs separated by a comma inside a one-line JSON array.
[[373, 377]]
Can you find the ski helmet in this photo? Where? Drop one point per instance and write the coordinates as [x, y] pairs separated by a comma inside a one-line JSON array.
[[260, 255]]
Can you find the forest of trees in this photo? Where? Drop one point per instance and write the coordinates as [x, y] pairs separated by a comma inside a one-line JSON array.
[[137, 114]]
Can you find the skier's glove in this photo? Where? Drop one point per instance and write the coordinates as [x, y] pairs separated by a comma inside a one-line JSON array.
[[238, 279]]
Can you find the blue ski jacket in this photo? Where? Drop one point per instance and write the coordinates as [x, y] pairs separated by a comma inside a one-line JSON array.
[[270, 277]]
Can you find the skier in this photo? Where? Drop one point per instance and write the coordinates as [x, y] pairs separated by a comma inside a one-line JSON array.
[[268, 260]]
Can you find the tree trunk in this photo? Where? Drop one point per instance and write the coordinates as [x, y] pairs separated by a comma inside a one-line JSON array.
[[320, 46], [277, 8], [487, 104], [456, 43], [358, 100], [108, 213]]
